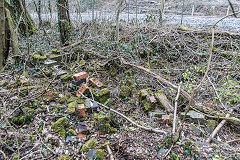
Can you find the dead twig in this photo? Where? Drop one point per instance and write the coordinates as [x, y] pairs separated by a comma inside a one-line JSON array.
[[175, 110], [110, 153], [216, 93], [217, 129], [234, 140], [125, 117], [4, 155]]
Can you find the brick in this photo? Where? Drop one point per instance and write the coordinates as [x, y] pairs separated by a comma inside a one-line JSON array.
[[95, 82], [81, 110], [82, 89], [80, 76]]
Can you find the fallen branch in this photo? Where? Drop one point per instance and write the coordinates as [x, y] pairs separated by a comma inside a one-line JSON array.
[[110, 153], [128, 119], [184, 93], [175, 110], [217, 129], [235, 140]]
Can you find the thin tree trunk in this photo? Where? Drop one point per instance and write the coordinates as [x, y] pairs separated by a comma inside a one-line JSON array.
[[50, 10], [2, 32], [117, 19], [17, 12], [64, 21], [38, 10]]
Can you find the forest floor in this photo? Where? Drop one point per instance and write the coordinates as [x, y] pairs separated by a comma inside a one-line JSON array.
[[41, 114]]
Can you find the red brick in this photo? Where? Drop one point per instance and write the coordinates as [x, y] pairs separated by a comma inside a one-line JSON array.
[[82, 89], [81, 110], [80, 135], [80, 76], [95, 82]]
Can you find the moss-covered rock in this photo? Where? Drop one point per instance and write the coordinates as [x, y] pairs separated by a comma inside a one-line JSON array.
[[56, 51], [211, 125], [72, 132], [22, 119], [90, 144], [104, 123], [64, 157], [125, 91], [71, 107], [39, 57], [3, 83], [66, 77], [82, 63], [60, 126], [55, 57], [103, 95], [100, 154]]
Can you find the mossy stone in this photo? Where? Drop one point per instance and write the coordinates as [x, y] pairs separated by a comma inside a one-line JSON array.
[[103, 95], [39, 57], [56, 51], [90, 144], [22, 119], [60, 125], [66, 77], [72, 132], [64, 157], [125, 91], [82, 63], [55, 57], [71, 107], [3, 83], [100, 154], [104, 123], [211, 125]]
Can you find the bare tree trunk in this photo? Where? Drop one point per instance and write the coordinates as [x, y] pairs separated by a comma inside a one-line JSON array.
[[2, 32], [38, 10], [64, 21], [50, 10], [117, 19], [162, 11]]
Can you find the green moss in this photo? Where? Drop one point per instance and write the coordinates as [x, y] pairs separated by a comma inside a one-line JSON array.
[[22, 119], [103, 95], [64, 157], [90, 144], [100, 154], [16, 157], [66, 77], [60, 125], [62, 99], [71, 107], [55, 57], [56, 51], [72, 132], [125, 91], [39, 57], [104, 123], [82, 63], [3, 83]]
